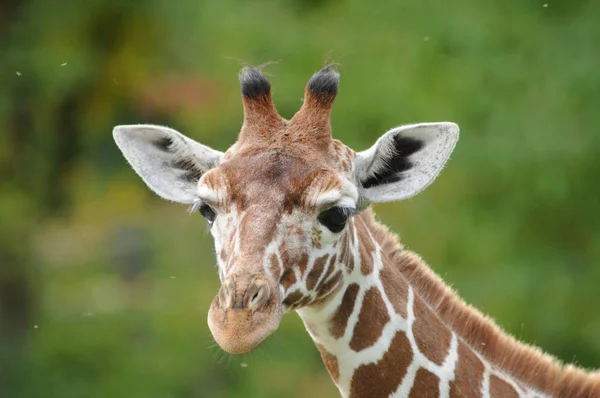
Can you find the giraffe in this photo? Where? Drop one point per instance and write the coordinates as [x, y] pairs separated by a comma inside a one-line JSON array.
[[289, 209]]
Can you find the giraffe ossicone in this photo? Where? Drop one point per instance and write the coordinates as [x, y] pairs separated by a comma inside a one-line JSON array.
[[288, 208]]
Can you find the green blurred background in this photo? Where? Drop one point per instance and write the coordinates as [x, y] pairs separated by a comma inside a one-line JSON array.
[[104, 288]]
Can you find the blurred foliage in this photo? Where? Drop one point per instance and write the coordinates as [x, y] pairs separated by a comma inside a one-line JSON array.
[[104, 288]]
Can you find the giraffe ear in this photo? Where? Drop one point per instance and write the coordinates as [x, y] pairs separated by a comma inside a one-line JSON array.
[[169, 162], [404, 161]]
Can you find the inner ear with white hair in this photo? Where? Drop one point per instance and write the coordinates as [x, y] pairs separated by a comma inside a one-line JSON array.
[[169, 162], [404, 161]]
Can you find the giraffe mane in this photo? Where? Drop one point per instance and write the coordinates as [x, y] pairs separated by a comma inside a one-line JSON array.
[[523, 361]]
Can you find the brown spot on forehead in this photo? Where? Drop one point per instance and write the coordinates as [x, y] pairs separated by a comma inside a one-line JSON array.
[[382, 378], [501, 389], [426, 385], [371, 321], [431, 335], [337, 327], [468, 375]]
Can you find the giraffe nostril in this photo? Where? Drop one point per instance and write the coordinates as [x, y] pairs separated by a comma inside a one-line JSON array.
[[226, 295], [257, 296]]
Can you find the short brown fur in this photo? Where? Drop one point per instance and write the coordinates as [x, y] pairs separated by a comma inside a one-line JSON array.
[[501, 389], [370, 321], [340, 319], [434, 346], [468, 375], [331, 363], [381, 379], [426, 385]]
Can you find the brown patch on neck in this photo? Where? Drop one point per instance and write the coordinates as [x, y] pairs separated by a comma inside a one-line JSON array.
[[367, 247], [331, 363], [501, 389], [426, 385], [324, 287], [303, 263], [293, 298], [468, 374], [291, 259], [382, 378], [332, 261], [331, 285], [371, 321], [431, 335], [348, 249], [316, 272], [344, 253], [395, 287], [288, 278], [339, 321], [523, 362]]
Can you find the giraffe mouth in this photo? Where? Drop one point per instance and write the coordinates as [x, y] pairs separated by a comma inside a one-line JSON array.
[[244, 313]]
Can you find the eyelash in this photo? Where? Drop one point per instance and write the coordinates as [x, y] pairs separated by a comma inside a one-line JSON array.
[[207, 212]]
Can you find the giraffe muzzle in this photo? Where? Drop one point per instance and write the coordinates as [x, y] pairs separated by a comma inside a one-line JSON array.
[[245, 311]]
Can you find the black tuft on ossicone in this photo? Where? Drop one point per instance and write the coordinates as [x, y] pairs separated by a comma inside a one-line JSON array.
[[253, 83], [325, 82]]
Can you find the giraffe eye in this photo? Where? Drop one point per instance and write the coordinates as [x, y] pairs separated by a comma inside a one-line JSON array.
[[208, 213], [335, 218]]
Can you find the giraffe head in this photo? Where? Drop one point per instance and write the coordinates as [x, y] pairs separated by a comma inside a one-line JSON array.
[[279, 200]]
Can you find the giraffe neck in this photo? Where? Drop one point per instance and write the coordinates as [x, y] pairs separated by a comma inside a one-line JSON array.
[[379, 337]]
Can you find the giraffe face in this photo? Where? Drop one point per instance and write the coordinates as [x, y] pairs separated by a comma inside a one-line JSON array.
[[276, 223], [278, 201]]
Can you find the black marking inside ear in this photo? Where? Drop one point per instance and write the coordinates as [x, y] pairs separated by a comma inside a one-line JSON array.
[[325, 82], [163, 143], [253, 83], [192, 172], [403, 148]]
